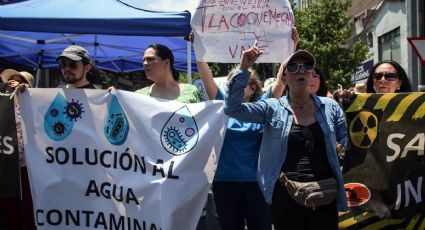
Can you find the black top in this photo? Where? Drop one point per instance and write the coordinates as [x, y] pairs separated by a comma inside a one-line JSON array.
[[88, 86], [306, 159], [3, 87]]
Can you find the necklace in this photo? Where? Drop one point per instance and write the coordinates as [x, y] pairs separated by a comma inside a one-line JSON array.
[[301, 105]]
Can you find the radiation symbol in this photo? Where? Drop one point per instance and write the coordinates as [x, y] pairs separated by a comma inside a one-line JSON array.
[[364, 129]]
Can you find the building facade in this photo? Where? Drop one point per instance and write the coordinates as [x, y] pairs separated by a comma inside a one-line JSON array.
[[385, 26]]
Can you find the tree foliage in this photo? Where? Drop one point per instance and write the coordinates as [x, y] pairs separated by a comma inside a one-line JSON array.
[[324, 30]]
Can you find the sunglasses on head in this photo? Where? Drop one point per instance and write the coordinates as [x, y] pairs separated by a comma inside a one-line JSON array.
[[71, 64], [293, 67], [388, 76]]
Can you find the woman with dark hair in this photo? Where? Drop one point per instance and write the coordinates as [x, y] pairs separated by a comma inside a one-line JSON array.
[[237, 195], [158, 63], [388, 77], [385, 77], [298, 144], [319, 86]]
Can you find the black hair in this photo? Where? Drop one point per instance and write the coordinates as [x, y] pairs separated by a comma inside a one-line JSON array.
[[401, 74], [165, 53], [86, 61], [323, 87], [93, 76]]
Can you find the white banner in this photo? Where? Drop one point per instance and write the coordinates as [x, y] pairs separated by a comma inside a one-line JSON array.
[[225, 28], [118, 161]]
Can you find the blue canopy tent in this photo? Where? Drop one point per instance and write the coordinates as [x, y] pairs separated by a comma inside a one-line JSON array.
[[34, 32], [4, 2]]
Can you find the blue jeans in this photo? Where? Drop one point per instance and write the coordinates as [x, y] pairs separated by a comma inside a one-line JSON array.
[[238, 203]]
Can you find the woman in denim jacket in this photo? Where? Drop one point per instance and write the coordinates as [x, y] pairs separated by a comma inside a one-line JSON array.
[[300, 135]]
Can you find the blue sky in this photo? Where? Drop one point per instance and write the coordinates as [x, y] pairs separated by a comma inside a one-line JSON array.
[[164, 5]]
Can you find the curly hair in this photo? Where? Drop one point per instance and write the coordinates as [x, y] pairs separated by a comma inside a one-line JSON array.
[[254, 80], [405, 83]]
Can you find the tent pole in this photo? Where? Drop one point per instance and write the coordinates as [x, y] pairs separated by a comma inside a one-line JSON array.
[[95, 50], [38, 73], [189, 62]]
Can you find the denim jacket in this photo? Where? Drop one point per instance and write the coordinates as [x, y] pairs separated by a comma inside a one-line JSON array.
[[277, 117]]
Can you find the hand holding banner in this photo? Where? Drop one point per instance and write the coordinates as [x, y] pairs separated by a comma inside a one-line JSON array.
[[384, 167], [9, 162], [124, 161]]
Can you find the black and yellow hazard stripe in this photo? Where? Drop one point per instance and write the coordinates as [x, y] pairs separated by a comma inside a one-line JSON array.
[[398, 103], [370, 221], [389, 109]]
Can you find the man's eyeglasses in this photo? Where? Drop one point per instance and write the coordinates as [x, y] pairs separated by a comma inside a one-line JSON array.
[[388, 76], [71, 64], [293, 67]]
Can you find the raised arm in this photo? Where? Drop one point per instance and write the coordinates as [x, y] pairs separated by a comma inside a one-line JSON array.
[[252, 111], [278, 87], [295, 38], [206, 75], [207, 79]]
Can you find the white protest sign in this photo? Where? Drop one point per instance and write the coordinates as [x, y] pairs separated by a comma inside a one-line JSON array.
[[223, 29], [219, 81], [118, 161]]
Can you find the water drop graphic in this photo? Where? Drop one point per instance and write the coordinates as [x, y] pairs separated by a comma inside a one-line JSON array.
[[116, 124], [180, 134], [56, 124]]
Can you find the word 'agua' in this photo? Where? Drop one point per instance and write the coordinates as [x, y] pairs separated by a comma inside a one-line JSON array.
[[112, 191]]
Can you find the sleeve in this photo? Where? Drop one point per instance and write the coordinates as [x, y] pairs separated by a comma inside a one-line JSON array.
[[220, 94], [254, 112], [266, 94], [340, 124], [199, 95]]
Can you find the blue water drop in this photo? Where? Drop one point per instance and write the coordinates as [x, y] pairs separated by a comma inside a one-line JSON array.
[[116, 124], [56, 124], [180, 134]]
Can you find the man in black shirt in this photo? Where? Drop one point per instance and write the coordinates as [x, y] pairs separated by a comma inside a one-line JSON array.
[[75, 64]]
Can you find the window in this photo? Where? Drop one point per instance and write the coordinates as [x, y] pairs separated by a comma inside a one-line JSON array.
[[389, 46]]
